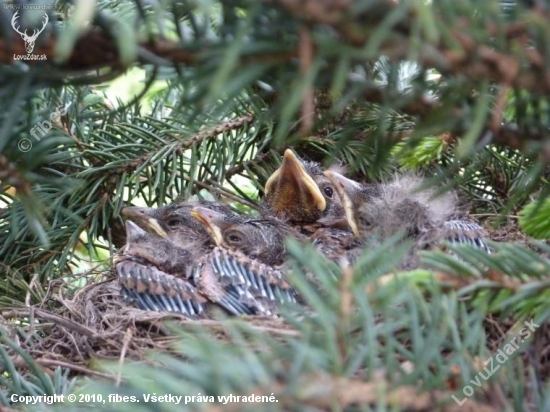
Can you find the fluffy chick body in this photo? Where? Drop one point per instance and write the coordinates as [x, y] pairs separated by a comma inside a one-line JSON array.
[[400, 206]]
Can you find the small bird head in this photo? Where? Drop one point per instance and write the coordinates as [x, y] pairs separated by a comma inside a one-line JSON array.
[[260, 239], [155, 250], [145, 218], [299, 192], [175, 222], [397, 206], [351, 195]]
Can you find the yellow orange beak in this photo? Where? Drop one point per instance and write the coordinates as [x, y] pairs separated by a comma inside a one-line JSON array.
[[344, 187], [143, 217], [211, 220], [293, 182]]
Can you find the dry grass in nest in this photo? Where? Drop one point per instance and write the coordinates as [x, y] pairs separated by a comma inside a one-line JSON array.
[[96, 323]]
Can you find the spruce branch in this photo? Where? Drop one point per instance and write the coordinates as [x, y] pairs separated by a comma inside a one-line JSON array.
[[186, 143], [473, 59]]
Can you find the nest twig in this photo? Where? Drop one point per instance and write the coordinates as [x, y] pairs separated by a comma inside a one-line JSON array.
[[96, 323]]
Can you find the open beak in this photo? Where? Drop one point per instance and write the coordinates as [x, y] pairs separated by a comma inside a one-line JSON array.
[[344, 187], [143, 217], [292, 182], [133, 232], [211, 221]]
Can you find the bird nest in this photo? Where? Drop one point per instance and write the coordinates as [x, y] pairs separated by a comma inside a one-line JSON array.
[[97, 324], [71, 330]]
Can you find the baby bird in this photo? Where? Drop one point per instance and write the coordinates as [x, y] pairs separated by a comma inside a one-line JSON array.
[[299, 193], [257, 238], [144, 270], [222, 276], [176, 222], [257, 243], [388, 208], [262, 240]]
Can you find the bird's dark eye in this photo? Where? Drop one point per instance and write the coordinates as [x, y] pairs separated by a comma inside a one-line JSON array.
[[328, 191], [234, 238], [174, 223], [365, 223]]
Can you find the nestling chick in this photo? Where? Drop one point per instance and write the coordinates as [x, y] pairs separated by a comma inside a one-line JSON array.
[[145, 274], [299, 193], [257, 238], [257, 243], [151, 264], [175, 221], [262, 241], [388, 208]]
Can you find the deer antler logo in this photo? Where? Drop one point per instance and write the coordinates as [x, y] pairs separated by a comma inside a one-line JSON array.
[[29, 40]]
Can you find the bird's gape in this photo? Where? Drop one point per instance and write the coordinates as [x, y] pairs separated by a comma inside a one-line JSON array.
[[346, 189], [293, 194], [212, 221], [301, 201], [143, 217]]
